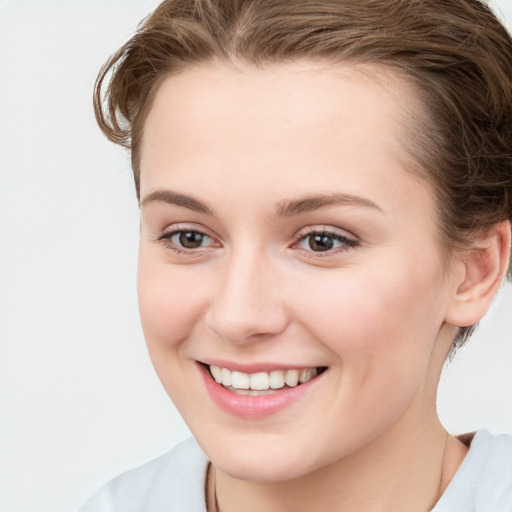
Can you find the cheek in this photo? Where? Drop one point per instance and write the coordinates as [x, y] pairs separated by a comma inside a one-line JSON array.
[[170, 305], [170, 302], [380, 336], [380, 325]]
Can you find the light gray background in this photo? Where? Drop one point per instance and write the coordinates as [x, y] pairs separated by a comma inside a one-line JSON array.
[[79, 401]]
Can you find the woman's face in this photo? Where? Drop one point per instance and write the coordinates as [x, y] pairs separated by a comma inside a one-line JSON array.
[[283, 230]]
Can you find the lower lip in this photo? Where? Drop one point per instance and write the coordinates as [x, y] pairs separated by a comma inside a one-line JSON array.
[[253, 407]]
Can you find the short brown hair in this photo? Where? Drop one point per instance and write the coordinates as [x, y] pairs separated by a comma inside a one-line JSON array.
[[456, 54]]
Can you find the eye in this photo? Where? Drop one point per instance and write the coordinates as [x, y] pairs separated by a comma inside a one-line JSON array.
[[188, 239], [323, 241], [182, 240]]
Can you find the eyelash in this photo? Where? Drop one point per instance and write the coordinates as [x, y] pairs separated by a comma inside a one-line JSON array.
[[166, 239], [346, 242]]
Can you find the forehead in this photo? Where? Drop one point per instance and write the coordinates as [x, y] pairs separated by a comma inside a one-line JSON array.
[[306, 125], [303, 93]]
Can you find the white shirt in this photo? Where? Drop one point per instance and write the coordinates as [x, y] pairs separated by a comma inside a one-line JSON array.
[[175, 482]]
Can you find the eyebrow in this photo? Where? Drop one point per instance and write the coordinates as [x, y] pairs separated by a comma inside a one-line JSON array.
[[170, 197], [308, 204], [284, 209]]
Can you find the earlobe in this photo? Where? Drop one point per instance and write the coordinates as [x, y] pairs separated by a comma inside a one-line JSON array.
[[485, 267]]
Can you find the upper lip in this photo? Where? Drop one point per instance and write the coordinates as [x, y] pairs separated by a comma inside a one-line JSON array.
[[255, 367]]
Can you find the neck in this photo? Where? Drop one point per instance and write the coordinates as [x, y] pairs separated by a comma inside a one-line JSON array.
[[408, 473]]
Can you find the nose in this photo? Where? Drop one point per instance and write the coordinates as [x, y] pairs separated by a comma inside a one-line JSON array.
[[248, 305]]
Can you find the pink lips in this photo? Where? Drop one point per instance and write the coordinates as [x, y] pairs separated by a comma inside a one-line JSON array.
[[254, 407]]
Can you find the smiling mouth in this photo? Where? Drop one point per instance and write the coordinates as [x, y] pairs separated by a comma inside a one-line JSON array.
[[262, 383]]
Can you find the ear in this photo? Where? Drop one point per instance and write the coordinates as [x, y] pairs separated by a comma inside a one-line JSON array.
[[484, 268]]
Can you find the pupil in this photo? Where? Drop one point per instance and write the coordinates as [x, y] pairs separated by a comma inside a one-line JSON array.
[[321, 242], [190, 239]]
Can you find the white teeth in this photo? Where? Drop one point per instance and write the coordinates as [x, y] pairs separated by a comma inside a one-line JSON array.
[[276, 379], [307, 374], [291, 378], [239, 380], [259, 381], [262, 381], [216, 373], [226, 377]]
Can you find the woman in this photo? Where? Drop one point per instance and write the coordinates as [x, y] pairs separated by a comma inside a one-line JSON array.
[[326, 205]]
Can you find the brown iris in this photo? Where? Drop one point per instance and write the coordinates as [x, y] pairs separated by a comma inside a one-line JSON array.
[[191, 239], [321, 242]]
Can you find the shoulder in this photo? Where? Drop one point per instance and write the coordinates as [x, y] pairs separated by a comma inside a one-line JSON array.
[[484, 480], [173, 482]]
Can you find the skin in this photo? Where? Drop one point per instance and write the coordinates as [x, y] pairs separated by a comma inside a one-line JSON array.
[[379, 313]]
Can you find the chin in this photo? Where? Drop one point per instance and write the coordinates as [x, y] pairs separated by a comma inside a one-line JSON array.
[[265, 457], [260, 469]]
